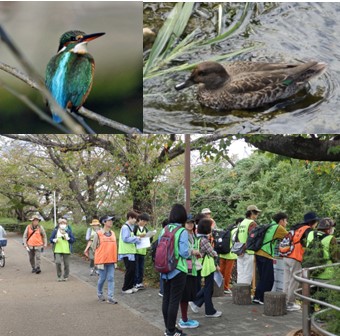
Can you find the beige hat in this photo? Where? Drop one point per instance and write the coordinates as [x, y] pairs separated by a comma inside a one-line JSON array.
[[253, 208], [95, 222], [205, 211], [35, 217], [62, 221]]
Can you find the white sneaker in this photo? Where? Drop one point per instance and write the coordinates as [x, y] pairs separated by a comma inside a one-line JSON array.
[[134, 290], [128, 291], [293, 307], [193, 307], [217, 314]]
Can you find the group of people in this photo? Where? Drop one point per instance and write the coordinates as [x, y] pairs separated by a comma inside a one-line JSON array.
[[191, 283]]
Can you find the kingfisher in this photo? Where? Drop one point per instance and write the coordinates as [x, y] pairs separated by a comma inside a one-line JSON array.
[[69, 74]]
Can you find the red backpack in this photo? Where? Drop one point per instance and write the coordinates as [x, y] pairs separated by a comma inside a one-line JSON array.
[[165, 260]]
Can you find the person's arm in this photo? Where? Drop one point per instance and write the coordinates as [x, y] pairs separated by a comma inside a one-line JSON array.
[[184, 250], [126, 236], [95, 242], [24, 237], [252, 225], [280, 232], [52, 238], [88, 234], [43, 233], [207, 249]]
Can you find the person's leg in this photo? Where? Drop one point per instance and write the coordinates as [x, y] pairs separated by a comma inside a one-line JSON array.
[[137, 271], [266, 277], [37, 259], [208, 292], [57, 259], [161, 284], [177, 285], [293, 284], [166, 300], [249, 268], [141, 269], [223, 268], [110, 280], [129, 274], [66, 265], [259, 286], [31, 256], [101, 280], [184, 311], [228, 271]]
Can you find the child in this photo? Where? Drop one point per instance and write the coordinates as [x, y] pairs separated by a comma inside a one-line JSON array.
[[105, 256], [62, 238], [127, 252], [191, 285], [140, 230], [95, 226], [209, 263]]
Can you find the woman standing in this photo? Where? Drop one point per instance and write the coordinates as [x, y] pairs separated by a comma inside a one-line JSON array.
[[105, 256], [62, 238], [95, 226]]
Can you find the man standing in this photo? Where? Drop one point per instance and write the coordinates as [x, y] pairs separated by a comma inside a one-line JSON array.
[[264, 257], [34, 240], [245, 262], [207, 213], [292, 261]]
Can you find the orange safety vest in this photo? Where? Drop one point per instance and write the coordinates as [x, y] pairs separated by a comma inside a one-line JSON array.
[[298, 250], [106, 253], [34, 239]]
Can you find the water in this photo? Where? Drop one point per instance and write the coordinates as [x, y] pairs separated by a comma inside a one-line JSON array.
[[283, 32]]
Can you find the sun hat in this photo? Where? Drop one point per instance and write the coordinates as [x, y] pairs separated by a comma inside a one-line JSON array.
[[325, 224], [205, 211], [253, 208], [310, 217], [95, 222], [35, 217]]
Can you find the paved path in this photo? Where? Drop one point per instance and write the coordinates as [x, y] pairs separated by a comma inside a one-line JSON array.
[[37, 305]]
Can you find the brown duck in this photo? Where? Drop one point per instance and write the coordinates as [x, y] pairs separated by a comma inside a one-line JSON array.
[[247, 85]]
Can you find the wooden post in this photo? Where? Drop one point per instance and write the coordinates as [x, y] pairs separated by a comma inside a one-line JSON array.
[[274, 303], [241, 294]]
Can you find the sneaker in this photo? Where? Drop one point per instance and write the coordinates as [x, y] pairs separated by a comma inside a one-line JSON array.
[[190, 324], [111, 301], [227, 291], [33, 270], [101, 297], [59, 279], [38, 270], [160, 294], [134, 290], [217, 314], [293, 307], [193, 307], [257, 301], [65, 279], [177, 332], [128, 291], [92, 272], [140, 286]]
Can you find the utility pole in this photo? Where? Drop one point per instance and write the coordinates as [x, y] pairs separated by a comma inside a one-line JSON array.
[[187, 170]]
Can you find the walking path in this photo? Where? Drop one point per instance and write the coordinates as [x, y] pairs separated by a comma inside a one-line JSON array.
[[38, 305]]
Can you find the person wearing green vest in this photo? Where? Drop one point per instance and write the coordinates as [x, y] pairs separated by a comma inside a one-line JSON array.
[[191, 284], [140, 230], [174, 281], [62, 238], [245, 261], [209, 266], [264, 257], [127, 252], [325, 230]]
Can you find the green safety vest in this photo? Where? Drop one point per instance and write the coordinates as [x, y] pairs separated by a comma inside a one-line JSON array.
[[207, 262], [141, 251], [328, 273], [230, 255], [243, 232], [268, 237], [194, 246], [126, 248]]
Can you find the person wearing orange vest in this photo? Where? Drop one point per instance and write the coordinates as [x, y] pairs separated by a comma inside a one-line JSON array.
[[105, 256], [34, 240], [292, 262]]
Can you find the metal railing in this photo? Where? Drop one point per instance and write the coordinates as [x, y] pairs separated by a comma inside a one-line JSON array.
[[308, 319]]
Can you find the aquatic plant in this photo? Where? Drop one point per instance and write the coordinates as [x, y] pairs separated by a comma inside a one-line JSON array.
[[168, 45]]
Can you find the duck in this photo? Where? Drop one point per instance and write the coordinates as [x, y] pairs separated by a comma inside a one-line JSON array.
[[244, 85]]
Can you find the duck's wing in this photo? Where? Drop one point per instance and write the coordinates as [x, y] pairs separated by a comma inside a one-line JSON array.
[[274, 76]]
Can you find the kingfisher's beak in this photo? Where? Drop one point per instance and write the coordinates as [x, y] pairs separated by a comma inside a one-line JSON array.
[[90, 37]]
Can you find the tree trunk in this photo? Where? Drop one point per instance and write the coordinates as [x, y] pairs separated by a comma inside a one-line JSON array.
[[274, 303], [241, 294]]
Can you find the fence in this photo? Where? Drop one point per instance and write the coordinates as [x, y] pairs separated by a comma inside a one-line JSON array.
[[309, 320]]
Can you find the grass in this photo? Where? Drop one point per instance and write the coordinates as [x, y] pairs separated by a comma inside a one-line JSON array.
[[168, 45]]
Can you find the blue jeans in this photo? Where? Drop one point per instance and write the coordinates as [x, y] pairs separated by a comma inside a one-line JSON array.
[[106, 274], [139, 269]]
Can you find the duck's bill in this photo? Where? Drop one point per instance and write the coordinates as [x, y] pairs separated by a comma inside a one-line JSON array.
[[184, 85]]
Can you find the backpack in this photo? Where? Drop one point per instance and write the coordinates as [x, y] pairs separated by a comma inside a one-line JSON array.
[[221, 241], [286, 245], [314, 255], [165, 260], [256, 237]]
